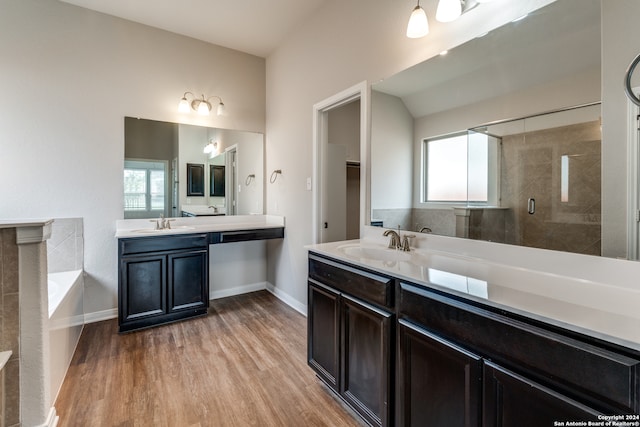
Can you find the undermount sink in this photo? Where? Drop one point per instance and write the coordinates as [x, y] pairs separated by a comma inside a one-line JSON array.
[[375, 253], [164, 230]]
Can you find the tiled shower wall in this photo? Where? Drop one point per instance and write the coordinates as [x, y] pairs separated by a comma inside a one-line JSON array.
[[531, 168], [10, 324]]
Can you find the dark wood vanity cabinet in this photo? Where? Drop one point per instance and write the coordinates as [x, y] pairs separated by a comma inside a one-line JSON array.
[[420, 356], [439, 383], [529, 373], [161, 280], [350, 336], [515, 400]]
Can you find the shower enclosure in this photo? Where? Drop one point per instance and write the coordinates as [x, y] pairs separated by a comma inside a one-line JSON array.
[[549, 181]]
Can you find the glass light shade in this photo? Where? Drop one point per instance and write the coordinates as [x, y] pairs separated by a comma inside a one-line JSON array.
[[183, 106], [210, 147], [483, 1], [448, 10], [418, 25], [203, 108], [222, 110]]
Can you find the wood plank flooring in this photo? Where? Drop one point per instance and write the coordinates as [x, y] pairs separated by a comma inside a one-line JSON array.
[[242, 365]]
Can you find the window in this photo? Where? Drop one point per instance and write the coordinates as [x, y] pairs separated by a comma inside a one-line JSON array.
[[461, 168], [144, 186]]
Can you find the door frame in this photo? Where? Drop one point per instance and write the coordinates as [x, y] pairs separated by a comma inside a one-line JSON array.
[[361, 91]]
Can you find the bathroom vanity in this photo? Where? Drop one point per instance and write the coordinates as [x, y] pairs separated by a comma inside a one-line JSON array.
[[163, 274], [428, 338]]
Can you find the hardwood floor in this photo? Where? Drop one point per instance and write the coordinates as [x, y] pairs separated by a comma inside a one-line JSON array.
[[242, 365]]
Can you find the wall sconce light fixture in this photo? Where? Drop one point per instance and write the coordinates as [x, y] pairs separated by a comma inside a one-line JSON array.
[[447, 11], [201, 105], [211, 147]]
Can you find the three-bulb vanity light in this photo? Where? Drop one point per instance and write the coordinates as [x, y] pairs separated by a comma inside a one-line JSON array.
[[201, 105], [447, 11]]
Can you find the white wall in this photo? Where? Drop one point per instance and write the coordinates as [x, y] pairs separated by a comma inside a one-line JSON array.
[[345, 42], [69, 76], [391, 153]]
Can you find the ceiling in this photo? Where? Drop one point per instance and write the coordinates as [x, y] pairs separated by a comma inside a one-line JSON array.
[[252, 26]]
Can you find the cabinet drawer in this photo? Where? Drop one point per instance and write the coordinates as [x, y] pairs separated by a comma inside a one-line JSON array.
[[247, 235], [601, 377], [162, 243], [369, 286]]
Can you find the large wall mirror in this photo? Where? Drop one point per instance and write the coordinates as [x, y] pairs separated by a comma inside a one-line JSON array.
[[500, 138], [157, 156]]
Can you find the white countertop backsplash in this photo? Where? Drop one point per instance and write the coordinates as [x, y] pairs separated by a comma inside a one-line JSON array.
[[596, 296]]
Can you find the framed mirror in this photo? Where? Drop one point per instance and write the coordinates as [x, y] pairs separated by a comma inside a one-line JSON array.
[[159, 176], [536, 69]]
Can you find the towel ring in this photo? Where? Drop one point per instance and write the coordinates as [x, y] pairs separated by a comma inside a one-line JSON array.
[[627, 81], [249, 179], [274, 175]]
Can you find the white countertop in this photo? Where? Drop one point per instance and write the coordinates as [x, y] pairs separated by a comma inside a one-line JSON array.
[[601, 310], [187, 225]]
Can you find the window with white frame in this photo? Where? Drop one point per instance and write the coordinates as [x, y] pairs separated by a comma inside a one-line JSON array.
[[461, 168], [144, 186]]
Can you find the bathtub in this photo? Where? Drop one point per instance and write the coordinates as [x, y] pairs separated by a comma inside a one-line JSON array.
[[66, 319]]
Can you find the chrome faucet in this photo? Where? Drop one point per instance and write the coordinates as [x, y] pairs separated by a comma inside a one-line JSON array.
[[394, 241], [162, 223], [397, 241]]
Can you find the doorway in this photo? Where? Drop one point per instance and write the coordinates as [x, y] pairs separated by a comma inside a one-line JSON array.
[[340, 165]]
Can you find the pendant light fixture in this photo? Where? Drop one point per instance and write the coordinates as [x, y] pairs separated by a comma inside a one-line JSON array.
[[418, 24], [448, 10]]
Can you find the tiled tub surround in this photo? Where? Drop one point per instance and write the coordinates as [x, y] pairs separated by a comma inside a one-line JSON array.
[[595, 296], [65, 259], [24, 275], [10, 325]]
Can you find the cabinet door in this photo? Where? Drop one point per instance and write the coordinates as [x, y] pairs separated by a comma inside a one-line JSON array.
[[188, 280], [143, 283], [439, 383], [323, 333], [512, 400], [366, 360]]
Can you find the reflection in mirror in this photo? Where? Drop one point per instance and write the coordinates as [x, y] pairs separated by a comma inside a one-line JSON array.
[[155, 170], [434, 168]]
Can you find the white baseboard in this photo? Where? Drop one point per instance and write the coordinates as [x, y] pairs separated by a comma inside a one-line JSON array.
[[112, 313], [52, 419], [238, 290], [287, 299], [98, 316]]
